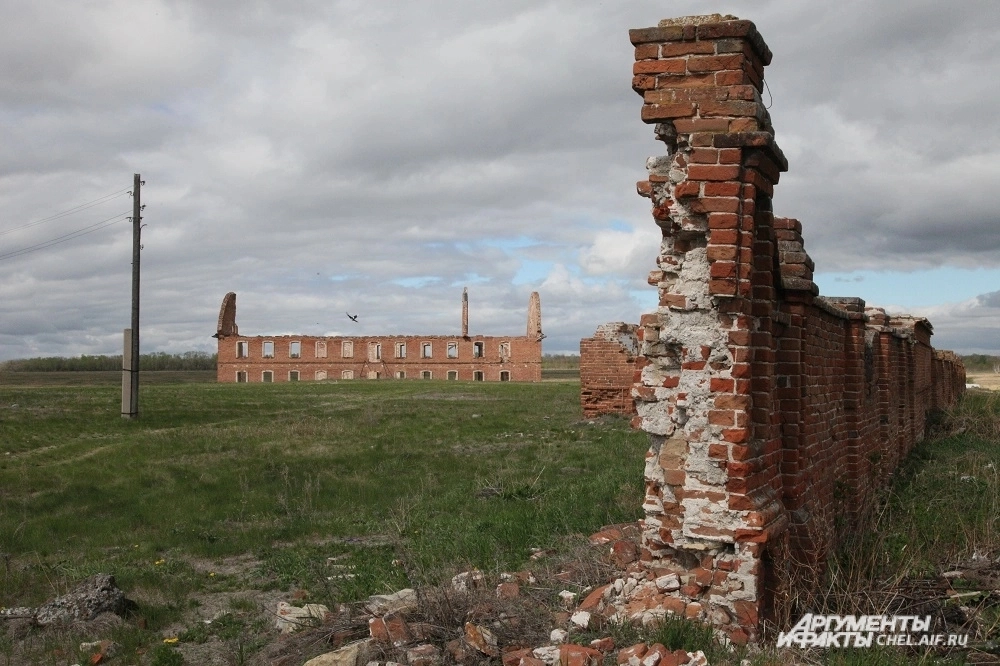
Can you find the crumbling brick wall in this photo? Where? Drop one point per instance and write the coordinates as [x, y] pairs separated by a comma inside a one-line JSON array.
[[773, 413], [607, 366], [243, 358]]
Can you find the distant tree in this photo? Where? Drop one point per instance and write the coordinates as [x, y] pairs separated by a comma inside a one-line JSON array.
[[152, 362]]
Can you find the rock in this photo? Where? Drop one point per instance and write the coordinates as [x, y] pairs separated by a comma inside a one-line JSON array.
[[624, 553], [698, 659], [398, 602], [94, 596], [468, 580], [606, 644], [548, 654], [513, 657], [668, 583], [423, 655], [567, 597], [460, 653], [636, 651], [606, 535], [595, 599], [99, 650], [509, 590], [581, 619], [291, 618], [577, 655], [558, 635], [481, 639], [656, 653], [349, 655]]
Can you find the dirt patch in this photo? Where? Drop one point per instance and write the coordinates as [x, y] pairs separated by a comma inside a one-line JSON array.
[[989, 381]]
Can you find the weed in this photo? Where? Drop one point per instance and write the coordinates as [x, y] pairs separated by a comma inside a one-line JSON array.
[[163, 655]]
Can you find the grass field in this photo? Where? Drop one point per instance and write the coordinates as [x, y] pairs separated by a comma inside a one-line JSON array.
[[224, 498], [987, 380], [436, 476]]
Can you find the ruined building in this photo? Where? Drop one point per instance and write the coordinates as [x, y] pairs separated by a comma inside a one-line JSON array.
[[773, 413], [291, 358]]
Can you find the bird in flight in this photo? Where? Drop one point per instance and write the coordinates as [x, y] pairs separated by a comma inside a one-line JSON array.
[[351, 317]]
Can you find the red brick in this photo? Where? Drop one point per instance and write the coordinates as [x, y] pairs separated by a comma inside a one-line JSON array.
[[731, 77], [686, 48], [716, 204], [716, 172], [672, 66], [686, 189], [705, 155], [657, 112], [722, 188], [722, 287], [744, 125], [698, 64], [643, 82], [717, 221], [721, 253], [688, 125], [722, 269], [647, 51], [736, 435], [729, 108], [720, 385]]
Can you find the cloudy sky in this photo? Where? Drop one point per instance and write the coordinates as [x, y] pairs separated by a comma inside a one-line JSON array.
[[376, 157]]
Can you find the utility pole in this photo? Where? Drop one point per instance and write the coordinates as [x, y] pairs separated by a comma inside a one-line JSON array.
[[130, 357]]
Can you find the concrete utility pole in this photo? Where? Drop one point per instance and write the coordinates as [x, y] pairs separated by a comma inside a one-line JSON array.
[[130, 357]]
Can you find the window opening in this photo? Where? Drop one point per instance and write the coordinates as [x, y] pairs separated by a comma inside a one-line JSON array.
[[242, 349], [452, 350], [267, 376], [294, 350], [268, 350]]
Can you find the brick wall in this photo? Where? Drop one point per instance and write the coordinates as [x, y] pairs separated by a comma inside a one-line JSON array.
[[607, 366], [472, 358], [773, 413]]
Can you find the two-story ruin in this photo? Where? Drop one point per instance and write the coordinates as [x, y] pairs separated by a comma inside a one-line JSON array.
[[464, 357]]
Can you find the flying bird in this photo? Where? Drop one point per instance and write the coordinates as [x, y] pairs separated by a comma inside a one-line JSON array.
[[351, 317]]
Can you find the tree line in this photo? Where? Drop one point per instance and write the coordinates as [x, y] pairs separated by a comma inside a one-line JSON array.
[[981, 363], [192, 360]]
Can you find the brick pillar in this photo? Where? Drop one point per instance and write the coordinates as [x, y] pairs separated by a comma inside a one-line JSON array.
[[465, 312], [705, 385], [535, 317]]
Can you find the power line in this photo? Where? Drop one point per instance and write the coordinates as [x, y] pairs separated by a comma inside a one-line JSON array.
[[83, 231], [68, 211]]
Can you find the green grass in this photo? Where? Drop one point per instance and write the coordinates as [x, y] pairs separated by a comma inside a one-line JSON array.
[[402, 484], [941, 513], [435, 474]]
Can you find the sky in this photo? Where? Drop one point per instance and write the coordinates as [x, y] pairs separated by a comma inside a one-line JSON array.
[[319, 158]]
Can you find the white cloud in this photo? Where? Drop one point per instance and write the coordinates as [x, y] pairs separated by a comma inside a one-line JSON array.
[[286, 143]]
